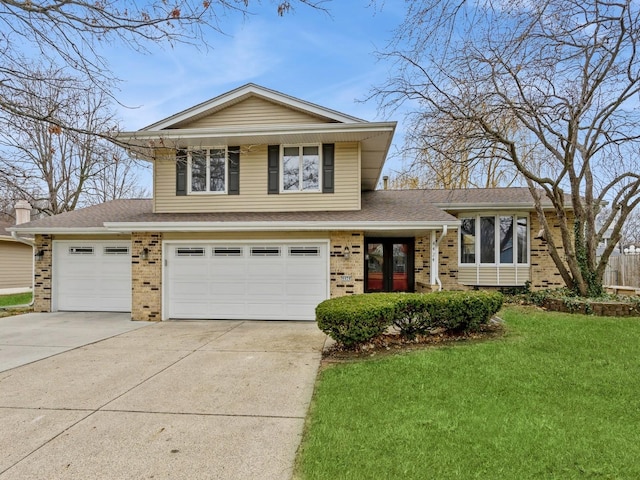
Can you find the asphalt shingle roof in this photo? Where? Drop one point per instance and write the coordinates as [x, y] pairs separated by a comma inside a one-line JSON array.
[[377, 206]]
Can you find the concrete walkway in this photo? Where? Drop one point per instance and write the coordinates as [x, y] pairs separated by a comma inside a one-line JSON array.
[[171, 400]]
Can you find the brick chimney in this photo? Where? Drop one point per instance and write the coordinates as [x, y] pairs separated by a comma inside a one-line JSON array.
[[23, 212]]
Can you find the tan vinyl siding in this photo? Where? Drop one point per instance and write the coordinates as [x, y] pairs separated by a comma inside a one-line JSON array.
[[254, 111], [502, 275], [253, 187], [16, 265], [468, 275], [487, 275]]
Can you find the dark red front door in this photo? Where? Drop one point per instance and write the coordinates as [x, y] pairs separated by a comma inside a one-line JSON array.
[[389, 265]]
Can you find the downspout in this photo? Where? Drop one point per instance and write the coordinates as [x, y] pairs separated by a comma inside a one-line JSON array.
[[31, 243], [435, 250]]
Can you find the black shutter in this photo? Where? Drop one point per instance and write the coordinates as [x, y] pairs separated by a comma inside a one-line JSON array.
[[181, 172], [234, 170], [273, 169], [328, 164]]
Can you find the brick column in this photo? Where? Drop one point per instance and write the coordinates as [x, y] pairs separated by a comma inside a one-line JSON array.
[[42, 274], [146, 276], [347, 274]]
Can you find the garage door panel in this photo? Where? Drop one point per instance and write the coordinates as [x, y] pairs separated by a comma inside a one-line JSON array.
[[245, 281], [228, 310], [190, 268], [92, 275], [228, 289], [190, 310], [227, 270], [269, 310], [263, 291], [190, 289], [298, 310], [266, 269]]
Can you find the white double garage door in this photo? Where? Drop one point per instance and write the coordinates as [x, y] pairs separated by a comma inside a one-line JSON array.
[[201, 280]]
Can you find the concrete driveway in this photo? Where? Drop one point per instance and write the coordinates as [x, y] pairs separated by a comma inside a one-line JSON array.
[[170, 400]]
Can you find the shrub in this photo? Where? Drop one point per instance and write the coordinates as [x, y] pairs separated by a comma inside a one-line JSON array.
[[360, 318], [412, 315], [463, 311], [356, 319]]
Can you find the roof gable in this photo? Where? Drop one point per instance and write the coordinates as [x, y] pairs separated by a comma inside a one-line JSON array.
[[251, 98]]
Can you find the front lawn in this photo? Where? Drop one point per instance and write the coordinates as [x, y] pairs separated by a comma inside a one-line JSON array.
[[558, 397], [15, 299]]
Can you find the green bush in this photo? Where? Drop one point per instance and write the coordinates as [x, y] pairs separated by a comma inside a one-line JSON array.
[[463, 311], [412, 316], [355, 319]]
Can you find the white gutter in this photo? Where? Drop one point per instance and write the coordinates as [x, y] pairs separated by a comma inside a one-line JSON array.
[[435, 253], [127, 227], [32, 244], [61, 230]]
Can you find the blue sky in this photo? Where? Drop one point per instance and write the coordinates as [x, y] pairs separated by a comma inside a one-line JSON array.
[[325, 59]]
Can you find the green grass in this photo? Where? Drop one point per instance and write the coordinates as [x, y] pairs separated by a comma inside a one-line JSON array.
[[558, 397], [15, 299]]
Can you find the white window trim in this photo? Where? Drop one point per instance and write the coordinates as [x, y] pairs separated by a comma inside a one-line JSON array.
[[281, 168], [208, 178], [497, 263]]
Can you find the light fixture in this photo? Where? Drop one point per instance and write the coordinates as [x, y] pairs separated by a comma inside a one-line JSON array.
[[39, 255], [346, 252], [145, 254]]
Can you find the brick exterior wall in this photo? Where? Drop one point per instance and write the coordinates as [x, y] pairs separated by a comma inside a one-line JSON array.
[[146, 277], [422, 264], [544, 273], [42, 274], [448, 258], [346, 274]]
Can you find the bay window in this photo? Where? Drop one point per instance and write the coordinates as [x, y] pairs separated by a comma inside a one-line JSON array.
[[494, 239]]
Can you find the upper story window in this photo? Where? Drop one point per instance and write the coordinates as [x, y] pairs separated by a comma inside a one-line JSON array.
[[207, 170], [300, 168], [494, 239]]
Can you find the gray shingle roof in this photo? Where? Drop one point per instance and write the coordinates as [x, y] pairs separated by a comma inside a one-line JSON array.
[[377, 206]]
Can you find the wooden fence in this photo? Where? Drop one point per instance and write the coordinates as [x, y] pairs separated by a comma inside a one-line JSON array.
[[623, 270]]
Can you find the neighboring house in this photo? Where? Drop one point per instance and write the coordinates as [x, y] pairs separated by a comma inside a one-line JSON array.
[[16, 258], [265, 205]]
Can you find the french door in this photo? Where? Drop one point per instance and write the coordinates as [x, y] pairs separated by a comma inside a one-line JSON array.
[[389, 265]]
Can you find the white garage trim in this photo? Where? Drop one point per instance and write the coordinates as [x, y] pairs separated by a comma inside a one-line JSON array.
[[91, 275], [230, 254]]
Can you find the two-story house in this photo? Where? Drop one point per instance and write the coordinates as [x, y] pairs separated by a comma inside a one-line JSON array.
[[263, 206]]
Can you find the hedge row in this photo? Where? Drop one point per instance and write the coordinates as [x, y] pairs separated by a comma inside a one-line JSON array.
[[356, 319]]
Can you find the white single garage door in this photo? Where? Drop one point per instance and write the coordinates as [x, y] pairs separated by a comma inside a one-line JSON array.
[[283, 281], [92, 276]]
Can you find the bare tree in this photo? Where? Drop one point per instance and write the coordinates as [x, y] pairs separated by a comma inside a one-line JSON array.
[[70, 35], [566, 76], [452, 165], [60, 168]]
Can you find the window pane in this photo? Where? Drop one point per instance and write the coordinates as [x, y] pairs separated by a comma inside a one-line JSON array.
[[468, 240], [198, 171], [375, 266], [506, 239], [523, 246], [310, 168], [217, 163], [487, 240], [400, 281], [291, 169]]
